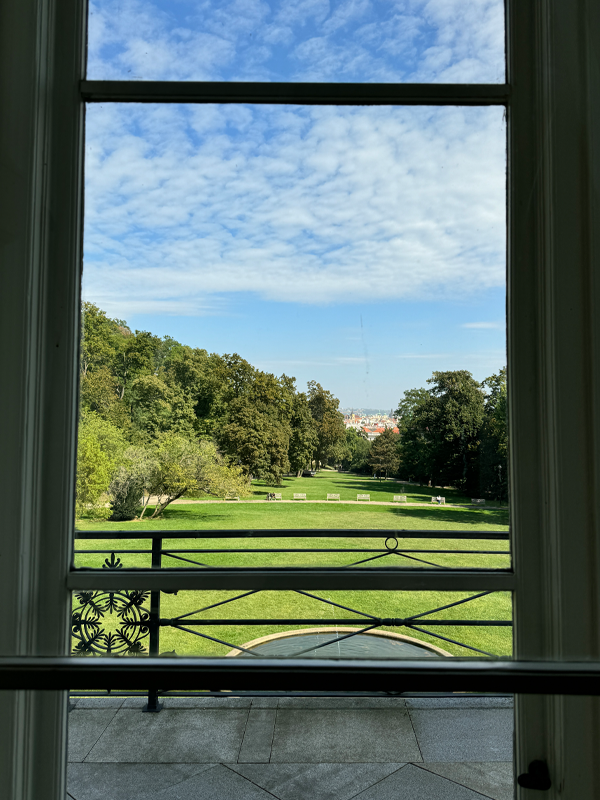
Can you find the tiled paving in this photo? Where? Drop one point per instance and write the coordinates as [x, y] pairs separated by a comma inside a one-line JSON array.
[[292, 749]]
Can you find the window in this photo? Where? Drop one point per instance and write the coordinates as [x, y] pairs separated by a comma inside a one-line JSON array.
[[553, 250]]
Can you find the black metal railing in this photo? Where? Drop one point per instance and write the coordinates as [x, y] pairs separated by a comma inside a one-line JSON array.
[[129, 622]]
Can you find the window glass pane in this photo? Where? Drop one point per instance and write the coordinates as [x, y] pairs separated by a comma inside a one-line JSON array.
[[250, 271], [419, 41], [285, 285]]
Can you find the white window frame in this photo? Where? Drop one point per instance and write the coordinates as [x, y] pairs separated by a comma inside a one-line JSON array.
[[554, 367]]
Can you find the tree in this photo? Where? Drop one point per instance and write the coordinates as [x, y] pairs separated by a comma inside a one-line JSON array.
[[410, 403], [99, 339], [99, 393], [99, 447], [493, 456], [180, 466], [440, 432], [414, 448], [383, 456], [93, 476], [156, 407], [136, 357], [329, 424], [259, 442], [358, 447], [303, 437], [131, 483]]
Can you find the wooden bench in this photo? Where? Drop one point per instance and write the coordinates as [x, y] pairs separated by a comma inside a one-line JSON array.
[[278, 496], [435, 500], [299, 496], [399, 498], [333, 497], [232, 497], [476, 502], [366, 497]]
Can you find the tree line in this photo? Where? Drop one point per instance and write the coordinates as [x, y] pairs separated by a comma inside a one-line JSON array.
[[455, 433], [161, 419]]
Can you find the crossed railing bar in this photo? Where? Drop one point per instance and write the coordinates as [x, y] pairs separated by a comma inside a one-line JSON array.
[[152, 622]]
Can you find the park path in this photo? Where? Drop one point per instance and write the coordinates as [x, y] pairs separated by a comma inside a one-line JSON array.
[[186, 501]]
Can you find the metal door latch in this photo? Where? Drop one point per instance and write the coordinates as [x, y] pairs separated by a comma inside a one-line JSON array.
[[538, 777]]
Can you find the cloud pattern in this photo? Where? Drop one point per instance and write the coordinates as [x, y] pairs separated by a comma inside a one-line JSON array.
[[187, 204], [298, 40]]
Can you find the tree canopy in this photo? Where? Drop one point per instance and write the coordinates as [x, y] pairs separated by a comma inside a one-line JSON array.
[[455, 433], [151, 390]]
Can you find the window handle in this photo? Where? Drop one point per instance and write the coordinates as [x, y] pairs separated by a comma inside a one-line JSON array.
[[538, 777]]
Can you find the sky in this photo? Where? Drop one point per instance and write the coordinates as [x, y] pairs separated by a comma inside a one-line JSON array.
[[362, 247]]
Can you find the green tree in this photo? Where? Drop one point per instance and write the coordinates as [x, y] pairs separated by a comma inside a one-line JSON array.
[[99, 339], [99, 448], [329, 423], [440, 431], [135, 358], [415, 446], [259, 442], [99, 393], [453, 417], [156, 407], [303, 437], [358, 448], [383, 455], [163, 351], [131, 482], [493, 456], [410, 403], [180, 466]]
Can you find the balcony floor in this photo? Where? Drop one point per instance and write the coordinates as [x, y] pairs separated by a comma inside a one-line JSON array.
[[431, 748]]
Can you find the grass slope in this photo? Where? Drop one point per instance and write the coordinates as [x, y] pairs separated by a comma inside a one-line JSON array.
[[269, 604], [348, 485]]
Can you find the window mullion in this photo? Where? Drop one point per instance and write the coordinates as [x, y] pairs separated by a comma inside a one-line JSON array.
[[367, 94]]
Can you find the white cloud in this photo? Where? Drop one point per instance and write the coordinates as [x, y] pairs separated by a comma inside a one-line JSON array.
[[316, 205], [373, 40]]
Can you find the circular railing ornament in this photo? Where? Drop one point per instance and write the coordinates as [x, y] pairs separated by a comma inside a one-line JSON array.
[[110, 623]]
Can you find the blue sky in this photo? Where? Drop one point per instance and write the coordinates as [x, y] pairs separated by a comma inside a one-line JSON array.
[[361, 247]]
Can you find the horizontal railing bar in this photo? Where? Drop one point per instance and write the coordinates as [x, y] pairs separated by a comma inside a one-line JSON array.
[[170, 550], [387, 622], [431, 674], [242, 693], [284, 578], [355, 94], [300, 533]]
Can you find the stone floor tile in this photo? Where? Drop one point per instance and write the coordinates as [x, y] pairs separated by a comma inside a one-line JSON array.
[[258, 736], [137, 703], [482, 734], [413, 783], [206, 702], [94, 781], [186, 736], [342, 702], [315, 781], [344, 736], [265, 702], [218, 783], [97, 702], [432, 703], [493, 778], [86, 726]]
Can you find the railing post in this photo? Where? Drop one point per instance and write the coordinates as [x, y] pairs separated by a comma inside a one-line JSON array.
[[154, 644]]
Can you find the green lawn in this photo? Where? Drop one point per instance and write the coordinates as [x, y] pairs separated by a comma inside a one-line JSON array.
[[270, 604], [349, 485]]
